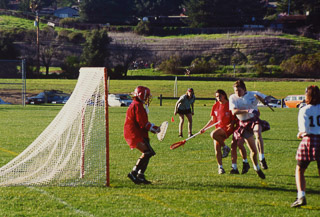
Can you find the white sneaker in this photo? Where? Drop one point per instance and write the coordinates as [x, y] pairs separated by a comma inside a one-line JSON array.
[[226, 151], [221, 171]]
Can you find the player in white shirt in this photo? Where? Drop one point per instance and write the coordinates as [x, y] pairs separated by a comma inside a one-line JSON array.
[[309, 148], [243, 104]]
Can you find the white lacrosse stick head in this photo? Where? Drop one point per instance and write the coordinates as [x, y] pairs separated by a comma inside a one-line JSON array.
[[163, 130]]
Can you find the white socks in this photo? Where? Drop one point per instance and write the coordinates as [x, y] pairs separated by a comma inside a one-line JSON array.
[[301, 194], [234, 166], [261, 157], [256, 167]]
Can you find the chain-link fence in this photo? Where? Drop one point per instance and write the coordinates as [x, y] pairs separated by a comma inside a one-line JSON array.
[[12, 82]]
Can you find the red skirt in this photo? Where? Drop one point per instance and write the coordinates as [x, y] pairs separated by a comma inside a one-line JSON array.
[[309, 148]]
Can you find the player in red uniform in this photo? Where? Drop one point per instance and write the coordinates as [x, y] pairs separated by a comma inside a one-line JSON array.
[[136, 129], [220, 112]]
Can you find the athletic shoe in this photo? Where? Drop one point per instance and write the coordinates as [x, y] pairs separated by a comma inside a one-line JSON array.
[[226, 151], [263, 164], [133, 176], [261, 174], [221, 171], [245, 168], [234, 171], [299, 202], [190, 135], [142, 179], [180, 136]]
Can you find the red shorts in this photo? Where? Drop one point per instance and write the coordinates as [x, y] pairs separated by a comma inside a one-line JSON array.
[[227, 132], [309, 148]]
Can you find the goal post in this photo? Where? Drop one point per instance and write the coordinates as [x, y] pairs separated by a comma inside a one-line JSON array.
[[75, 142]]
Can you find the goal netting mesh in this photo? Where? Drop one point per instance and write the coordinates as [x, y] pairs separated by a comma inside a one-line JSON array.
[[71, 151]]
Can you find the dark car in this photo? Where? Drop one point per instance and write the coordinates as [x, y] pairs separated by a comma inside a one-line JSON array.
[[48, 96]]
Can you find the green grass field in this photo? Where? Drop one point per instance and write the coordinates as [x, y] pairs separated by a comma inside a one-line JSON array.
[[185, 180]]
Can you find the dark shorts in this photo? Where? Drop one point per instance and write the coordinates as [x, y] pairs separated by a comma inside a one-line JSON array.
[[305, 164], [184, 112]]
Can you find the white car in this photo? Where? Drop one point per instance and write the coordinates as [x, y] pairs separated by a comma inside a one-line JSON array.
[[274, 103], [119, 100]]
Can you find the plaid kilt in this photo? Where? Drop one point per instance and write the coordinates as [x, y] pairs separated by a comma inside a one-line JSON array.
[[309, 148], [249, 125]]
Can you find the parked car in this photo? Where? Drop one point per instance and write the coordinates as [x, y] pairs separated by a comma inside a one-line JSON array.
[[293, 101], [119, 100], [274, 103], [48, 96]]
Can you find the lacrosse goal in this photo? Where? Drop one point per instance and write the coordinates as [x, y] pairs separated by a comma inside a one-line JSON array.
[[74, 149]]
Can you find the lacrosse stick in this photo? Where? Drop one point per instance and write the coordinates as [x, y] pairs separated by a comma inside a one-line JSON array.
[[263, 102], [163, 129], [178, 144]]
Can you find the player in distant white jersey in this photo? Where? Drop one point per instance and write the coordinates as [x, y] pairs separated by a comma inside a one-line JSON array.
[[309, 148], [243, 104]]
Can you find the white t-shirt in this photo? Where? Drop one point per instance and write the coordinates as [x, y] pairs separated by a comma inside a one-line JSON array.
[[309, 119], [247, 101]]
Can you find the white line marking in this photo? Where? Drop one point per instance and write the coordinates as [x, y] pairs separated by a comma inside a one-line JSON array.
[[78, 211]]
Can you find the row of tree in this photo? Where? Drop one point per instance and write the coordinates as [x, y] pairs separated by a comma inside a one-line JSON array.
[[201, 13]]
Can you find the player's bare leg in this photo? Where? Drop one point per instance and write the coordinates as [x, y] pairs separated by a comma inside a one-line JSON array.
[[181, 118], [189, 116], [301, 187], [260, 146], [253, 155], [234, 156], [218, 137], [243, 153]]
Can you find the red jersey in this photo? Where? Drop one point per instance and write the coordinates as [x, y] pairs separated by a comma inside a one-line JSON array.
[[222, 113], [135, 123]]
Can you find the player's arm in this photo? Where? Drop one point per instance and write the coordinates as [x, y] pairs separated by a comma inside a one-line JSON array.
[[210, 122], [192, 109], [302, 122], [236, 111], [142, 119], [177, 104]]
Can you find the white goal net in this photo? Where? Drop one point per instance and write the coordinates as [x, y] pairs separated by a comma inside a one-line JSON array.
[[73, 149]]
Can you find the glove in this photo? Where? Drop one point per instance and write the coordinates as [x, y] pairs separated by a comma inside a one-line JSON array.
[[152, 128]]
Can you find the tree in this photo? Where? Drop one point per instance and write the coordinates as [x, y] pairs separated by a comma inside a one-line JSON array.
[[157, 7], [95, 50], [8, 51], [103, 11], [215, 13], [4, 4], [126, 51]]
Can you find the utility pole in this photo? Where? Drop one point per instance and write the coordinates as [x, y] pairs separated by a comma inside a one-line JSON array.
[[38, 45], [289, 1], [35, 7]]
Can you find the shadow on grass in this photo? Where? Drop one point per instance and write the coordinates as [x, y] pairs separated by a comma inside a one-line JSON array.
[[289, 140]]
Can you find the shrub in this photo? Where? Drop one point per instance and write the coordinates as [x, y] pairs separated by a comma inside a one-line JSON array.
[[202, 66], [260, 69], [63, 35], [143, 28], [70, 67], [171, 66], [68, 22], [76, 37], [302, 65]]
